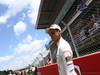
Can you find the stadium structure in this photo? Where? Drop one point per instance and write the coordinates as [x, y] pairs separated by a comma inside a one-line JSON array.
[[80, 23], [77, 18]]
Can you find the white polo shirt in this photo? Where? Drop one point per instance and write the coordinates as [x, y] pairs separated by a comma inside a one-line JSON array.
[[64, 50]]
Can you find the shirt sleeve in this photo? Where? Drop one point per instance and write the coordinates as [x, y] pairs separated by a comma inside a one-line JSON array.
[[66, 52]]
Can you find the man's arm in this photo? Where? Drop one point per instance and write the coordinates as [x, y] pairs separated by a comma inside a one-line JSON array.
[[67, 55]]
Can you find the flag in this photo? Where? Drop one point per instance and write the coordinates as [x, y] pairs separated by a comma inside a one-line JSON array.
[[82, 6]]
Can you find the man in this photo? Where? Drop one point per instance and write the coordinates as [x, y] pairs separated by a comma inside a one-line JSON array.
[[64, 52]]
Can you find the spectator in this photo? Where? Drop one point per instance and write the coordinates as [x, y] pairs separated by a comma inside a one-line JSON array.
[[49, 61], [86, 32], [97, 25], [34, 70], [10, 73]]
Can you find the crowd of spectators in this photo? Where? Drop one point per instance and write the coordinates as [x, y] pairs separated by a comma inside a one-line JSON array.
[[86, 32], [27, 71]]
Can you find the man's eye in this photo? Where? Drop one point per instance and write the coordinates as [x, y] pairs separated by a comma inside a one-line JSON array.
[[51, 33]]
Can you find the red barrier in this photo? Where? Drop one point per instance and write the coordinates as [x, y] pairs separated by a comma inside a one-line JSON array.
[[89, 64], [84, 65], [51, 69]]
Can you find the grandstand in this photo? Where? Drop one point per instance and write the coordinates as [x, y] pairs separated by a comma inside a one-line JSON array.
[[80, 21]]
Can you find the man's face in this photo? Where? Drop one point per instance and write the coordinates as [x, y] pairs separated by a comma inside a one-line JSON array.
[[54, 34]]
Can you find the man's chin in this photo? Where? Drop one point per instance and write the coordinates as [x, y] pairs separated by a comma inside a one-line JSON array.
[[55, 41]]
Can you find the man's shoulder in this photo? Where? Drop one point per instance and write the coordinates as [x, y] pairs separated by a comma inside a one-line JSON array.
[[64, 42], [64, 45]]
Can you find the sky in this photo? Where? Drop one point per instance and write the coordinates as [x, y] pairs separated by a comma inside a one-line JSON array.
[[20, 42]]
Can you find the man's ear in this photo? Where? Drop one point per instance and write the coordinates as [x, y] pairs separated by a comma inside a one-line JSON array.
[[59, 31]]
